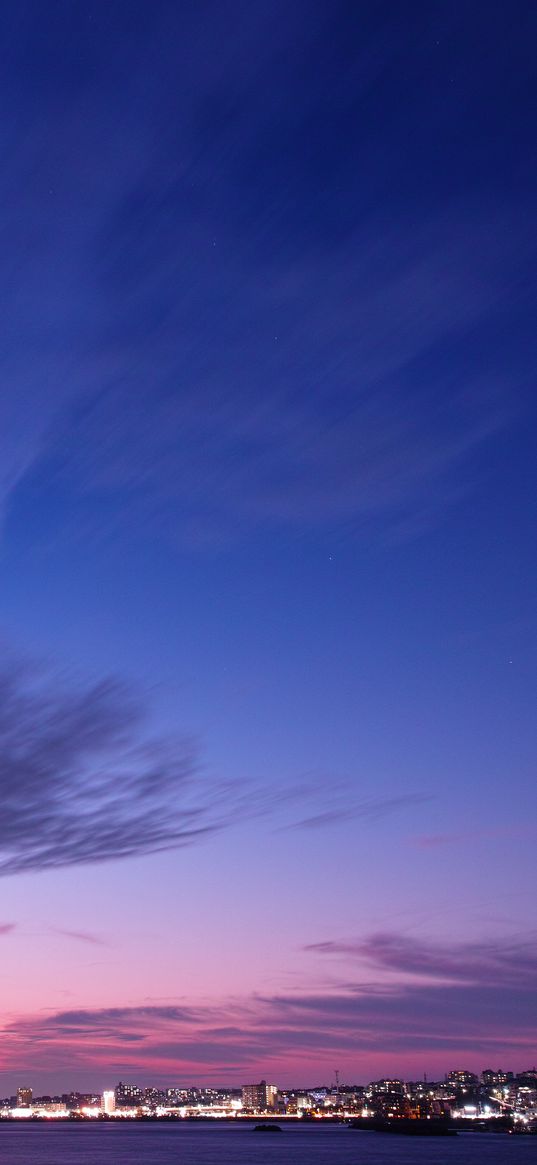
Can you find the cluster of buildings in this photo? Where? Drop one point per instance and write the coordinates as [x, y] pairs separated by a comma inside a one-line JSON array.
[[494, 1096]]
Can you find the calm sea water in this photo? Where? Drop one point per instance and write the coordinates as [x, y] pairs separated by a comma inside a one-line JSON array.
[[200, 1144]]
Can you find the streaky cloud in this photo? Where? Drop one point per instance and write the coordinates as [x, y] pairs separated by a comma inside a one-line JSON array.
[[391, 1023], [82, 936], [150, 320], [500, 962], [439, 840], [372, 809], [84, 780]]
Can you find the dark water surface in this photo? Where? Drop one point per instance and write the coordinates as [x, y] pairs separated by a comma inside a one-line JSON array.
[[225, 1144]]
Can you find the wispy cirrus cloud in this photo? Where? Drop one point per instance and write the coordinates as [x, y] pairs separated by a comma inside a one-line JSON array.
[[217, 363], [504, 963], [83, 779], [323, 442], [345, 806], [505, 832], [81, 936]]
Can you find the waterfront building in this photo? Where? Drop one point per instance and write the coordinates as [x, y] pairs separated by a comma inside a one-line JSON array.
[[108, 1102], [127, 1095], [259, 1097]]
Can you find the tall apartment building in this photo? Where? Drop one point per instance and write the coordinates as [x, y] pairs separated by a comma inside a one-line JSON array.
[[260, 1096], [24, 1097], [108, 1102]]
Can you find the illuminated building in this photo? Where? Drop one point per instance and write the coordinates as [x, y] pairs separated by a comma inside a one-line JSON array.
[[24, 1097], [127, 1095], [153, 1097], [259, 1096], [108, 1102], [491, 1077], [462, 1078]]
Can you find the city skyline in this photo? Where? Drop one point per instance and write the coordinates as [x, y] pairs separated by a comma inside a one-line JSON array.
[[264, 1094], [267, 540], [493, 1101]]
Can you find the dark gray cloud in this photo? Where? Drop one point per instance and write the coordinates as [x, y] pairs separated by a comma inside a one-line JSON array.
[[83, 780]]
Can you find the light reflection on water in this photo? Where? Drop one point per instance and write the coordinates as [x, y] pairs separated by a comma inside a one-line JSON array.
[[207, 1144]]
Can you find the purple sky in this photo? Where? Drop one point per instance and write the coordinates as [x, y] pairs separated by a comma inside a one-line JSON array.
[[267, 495]]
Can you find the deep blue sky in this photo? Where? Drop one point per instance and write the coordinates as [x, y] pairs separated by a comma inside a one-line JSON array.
[[267, 457]]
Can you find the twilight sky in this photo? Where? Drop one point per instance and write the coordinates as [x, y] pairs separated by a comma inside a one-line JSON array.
[[267, 561]]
